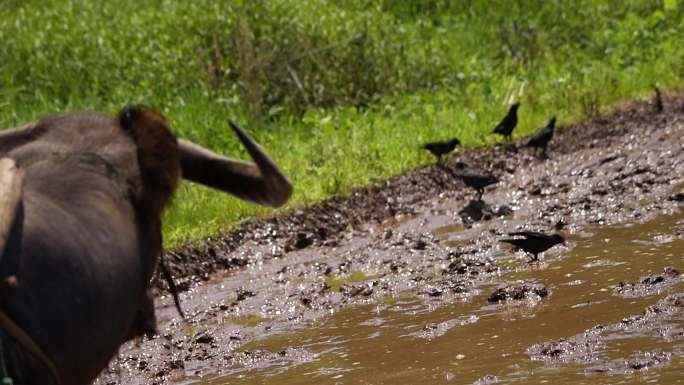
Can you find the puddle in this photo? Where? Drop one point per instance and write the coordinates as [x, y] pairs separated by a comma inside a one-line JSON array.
[[252, 320], [336, 283], [448, 229], [407, 340]]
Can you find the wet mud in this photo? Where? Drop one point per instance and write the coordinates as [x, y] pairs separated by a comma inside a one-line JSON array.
[[405, 281]]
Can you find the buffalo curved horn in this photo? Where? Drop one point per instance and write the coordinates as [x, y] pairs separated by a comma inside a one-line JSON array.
[[11, 179], [263, 182]]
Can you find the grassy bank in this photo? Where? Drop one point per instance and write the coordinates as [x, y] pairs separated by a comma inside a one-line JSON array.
[[340, 92]]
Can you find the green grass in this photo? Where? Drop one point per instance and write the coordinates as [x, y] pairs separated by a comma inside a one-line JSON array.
[[374, 79]]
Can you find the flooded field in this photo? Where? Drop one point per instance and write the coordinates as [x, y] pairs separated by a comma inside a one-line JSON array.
[[406, 340], [407, 282]]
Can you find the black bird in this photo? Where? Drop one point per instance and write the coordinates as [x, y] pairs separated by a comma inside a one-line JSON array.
[[658, 100], [477, 181], [441, 148], [542, 138], [508, 123], [534, 242]]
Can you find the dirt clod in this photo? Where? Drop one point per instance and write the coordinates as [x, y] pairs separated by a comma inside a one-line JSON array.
[[518, 291], [204, 338], [650, 284]]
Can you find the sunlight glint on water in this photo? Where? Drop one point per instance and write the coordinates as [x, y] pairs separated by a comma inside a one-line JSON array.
[[381, 344]]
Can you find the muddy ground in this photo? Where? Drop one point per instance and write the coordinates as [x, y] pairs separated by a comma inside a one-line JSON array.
[[410, 237]]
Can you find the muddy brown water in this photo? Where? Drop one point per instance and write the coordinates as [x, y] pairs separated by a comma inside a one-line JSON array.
[[391, 284], [388, 342]]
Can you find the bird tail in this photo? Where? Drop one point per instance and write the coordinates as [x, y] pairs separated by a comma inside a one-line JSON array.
[[509, 240]]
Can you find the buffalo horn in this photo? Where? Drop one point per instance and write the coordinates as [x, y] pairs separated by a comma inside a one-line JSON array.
[[263, 182], [10, 195]]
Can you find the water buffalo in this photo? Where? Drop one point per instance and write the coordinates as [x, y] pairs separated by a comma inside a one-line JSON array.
[[81, 202]]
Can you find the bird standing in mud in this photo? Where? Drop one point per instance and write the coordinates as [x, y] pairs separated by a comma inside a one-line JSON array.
[[541, 139], [441, 148], [477, 181], [508, 123], [533, 242]]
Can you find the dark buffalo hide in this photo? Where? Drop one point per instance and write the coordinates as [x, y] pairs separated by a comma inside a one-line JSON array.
[[86, 234]]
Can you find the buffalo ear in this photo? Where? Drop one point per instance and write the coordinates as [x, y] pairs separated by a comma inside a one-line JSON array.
[[262, 182], [11, 178]]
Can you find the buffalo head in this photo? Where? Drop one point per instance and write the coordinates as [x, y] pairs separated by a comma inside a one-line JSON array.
[[81, 228]]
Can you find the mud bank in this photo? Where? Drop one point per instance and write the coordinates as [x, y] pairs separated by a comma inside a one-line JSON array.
[[407, 240]]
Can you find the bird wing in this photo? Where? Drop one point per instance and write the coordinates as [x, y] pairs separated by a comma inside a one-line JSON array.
[[517, 242], [530, 234], [542, 136], [473, 175], [534, 139]]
